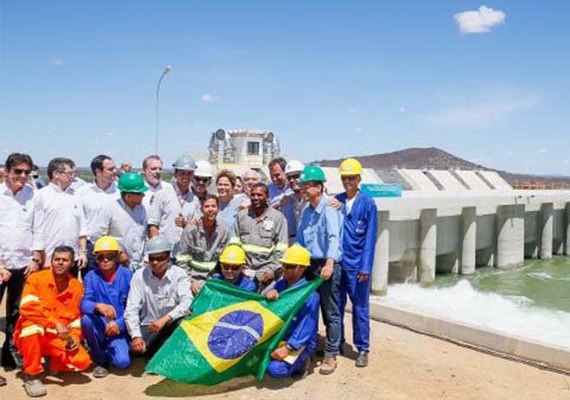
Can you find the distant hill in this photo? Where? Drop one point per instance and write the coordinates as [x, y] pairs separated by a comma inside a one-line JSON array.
[[434, 158]]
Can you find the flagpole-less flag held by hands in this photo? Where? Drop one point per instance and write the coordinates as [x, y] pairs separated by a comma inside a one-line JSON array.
[[230, 333]]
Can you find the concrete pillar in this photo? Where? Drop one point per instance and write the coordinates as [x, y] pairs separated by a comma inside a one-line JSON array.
[[382, 256], [469, 240], [547, 230], [510, 235], [567, 229], [427, 246]]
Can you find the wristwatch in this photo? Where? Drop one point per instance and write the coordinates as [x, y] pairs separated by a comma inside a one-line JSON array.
[[288, 347]]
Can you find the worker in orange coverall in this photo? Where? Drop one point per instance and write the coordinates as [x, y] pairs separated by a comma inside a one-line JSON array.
[[50, 322]]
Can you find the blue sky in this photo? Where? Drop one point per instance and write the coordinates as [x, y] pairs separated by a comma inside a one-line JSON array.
[[330, 78]]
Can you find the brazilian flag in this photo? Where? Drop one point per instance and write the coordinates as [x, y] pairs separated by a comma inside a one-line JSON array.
[[230, 333]]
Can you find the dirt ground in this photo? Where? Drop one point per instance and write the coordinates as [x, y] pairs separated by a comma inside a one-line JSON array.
[[403, 365]]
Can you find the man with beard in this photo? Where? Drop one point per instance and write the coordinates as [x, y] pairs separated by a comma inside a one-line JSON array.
[[262, 232], [174, 207], [152, 174]]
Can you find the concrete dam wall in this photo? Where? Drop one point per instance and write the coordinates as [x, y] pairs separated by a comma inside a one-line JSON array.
[[456, 221]]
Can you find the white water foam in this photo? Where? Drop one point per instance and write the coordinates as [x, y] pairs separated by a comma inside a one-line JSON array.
[[462, 303]]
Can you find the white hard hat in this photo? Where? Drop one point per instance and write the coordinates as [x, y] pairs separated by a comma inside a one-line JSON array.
[[204, 169], [294, 166]]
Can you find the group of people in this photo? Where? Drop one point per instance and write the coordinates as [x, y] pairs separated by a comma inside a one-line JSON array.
[[114, 264]]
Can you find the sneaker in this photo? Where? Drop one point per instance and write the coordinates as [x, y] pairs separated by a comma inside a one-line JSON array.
[[328, 366], [100, 371], [303, 371], [362, 359], [34, 387]]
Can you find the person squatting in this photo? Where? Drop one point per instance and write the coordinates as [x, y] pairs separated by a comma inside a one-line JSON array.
[[95, 273]]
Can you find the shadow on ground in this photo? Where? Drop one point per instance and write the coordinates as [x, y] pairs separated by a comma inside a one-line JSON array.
[[168, 388]]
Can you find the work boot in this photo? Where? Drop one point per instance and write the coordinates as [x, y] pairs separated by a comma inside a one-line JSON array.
[[328, 366], [34, 387], [362, 359], [100, 372]]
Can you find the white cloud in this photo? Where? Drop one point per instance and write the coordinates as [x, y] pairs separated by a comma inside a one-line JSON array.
[[479, 21], [58, 62], [209, 98], [109, 134], [402, 110], [542, 150], [358, 130], [465, 112]]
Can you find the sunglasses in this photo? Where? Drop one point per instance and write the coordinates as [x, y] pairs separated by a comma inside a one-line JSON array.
[[231, 267], [293, 177], [106, 257], [152, 259], [201, 180], [20, 171]]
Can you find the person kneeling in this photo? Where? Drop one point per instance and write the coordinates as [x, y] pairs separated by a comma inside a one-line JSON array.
[[159, 297], [232, 262], [292, 356], [103, 308], [49, 323]]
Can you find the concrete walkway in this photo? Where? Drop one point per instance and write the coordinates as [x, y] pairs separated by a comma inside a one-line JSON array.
[[403, 365]]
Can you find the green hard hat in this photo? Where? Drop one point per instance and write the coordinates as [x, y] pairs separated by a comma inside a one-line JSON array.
[[313, 173], [132, 182]]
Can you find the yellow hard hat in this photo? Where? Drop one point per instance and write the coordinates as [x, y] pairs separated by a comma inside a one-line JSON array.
[[106, 243], [350, 167], [233, 254], [296, 255]]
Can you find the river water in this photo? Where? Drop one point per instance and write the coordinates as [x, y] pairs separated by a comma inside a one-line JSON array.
[[531, 301]]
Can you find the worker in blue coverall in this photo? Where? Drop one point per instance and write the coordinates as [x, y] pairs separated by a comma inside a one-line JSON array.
[[320, 232], [103, 307], [232, 263], [358, 243], [292, 356]]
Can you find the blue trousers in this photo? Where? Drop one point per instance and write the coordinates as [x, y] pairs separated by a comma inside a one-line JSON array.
[[359, 294], [105, 350], [281, 369], [330, 307]]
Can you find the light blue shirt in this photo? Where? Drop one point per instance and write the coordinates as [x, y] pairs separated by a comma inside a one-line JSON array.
[[320, 231], [288, 210], [229, 211]]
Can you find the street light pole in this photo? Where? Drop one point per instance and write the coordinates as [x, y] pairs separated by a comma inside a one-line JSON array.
[[165, 71]]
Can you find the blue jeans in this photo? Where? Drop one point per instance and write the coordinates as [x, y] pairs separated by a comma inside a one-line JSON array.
[[329, 293]]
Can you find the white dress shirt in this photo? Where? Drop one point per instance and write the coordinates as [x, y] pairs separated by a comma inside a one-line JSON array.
[[127, 225], [148, 198], [166, 206], [58, 219], [94, 199], [16, 217]]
